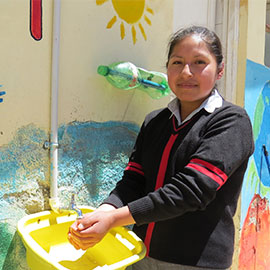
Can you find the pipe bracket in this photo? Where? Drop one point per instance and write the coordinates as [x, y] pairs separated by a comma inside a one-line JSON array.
[[49, 145]]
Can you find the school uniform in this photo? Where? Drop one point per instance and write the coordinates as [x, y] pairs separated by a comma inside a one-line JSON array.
[[183, 181]]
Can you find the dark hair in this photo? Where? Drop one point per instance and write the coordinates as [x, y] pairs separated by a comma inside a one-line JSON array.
[[209, 37]]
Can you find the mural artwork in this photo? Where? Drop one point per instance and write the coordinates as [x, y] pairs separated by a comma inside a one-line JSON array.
[[36, 19], [92, 156], [130, 12], [255, 212], [2, 93]]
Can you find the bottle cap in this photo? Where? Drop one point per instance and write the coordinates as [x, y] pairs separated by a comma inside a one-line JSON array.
[[103, 70]]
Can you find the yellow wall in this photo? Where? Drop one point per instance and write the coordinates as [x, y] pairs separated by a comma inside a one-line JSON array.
[[25, 69], [94, 136], [85, 43], [256, 30], [88, 43], [242, 51]]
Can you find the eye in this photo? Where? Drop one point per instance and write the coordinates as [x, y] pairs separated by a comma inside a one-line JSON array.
[[177, 62], [200, 62]]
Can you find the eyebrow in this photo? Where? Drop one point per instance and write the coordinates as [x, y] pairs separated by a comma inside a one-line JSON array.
[[196, 56], [173, 55]]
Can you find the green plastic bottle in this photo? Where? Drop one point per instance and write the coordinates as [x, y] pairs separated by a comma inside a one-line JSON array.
[[125, 75]]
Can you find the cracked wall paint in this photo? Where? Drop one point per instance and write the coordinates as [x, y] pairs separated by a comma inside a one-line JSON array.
[[92, 157]]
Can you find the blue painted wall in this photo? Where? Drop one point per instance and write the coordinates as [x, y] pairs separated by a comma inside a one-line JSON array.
[[255, 211], [92, 157]]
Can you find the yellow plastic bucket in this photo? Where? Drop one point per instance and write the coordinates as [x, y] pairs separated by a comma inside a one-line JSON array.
[[44, 235]]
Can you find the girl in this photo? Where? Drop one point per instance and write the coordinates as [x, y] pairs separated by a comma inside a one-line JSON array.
[[184, 176]]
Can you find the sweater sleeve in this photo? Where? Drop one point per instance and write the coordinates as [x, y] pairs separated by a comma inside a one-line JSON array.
[[225, 145], [131, 186]]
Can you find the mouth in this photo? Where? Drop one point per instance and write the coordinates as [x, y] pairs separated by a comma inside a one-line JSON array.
[[187, 85]]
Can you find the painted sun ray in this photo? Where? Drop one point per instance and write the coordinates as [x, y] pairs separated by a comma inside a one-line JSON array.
[[150, 10], [130, 12], [147, 20], [142, 31], [101, 2], [111, 22], [122, 30], [133, 30]]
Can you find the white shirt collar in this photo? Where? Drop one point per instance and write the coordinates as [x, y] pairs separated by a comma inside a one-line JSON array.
[[210, 104]]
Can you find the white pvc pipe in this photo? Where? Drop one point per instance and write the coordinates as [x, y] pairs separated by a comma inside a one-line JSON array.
[[54, 202]]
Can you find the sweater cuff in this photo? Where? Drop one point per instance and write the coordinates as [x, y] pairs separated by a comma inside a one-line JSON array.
[[113, 200], [142, 210]]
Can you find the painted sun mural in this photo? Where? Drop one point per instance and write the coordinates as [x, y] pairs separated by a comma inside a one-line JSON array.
[[132, 13]]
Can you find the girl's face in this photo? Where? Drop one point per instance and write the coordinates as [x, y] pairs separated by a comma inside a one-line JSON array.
[[192, 71]]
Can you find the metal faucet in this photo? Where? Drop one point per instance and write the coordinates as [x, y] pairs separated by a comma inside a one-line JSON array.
[[74, 207]]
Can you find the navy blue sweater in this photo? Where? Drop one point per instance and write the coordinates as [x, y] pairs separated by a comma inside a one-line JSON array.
[[182, 184]]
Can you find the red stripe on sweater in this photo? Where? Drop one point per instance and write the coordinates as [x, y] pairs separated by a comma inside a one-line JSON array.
[[134, 164], [174, 124], [147, 239], [136, 167], [129, 168], [207, 173], [159, 183], [211, 167], [164, 161]]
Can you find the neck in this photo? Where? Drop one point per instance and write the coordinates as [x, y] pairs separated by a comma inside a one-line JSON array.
[[186, 108]]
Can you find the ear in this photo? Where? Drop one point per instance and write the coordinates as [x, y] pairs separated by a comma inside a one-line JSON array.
[[220, 71]]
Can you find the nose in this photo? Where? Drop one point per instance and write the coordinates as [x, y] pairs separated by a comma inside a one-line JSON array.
[[186, 71]]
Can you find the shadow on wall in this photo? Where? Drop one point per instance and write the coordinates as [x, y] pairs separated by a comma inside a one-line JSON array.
[[92, 157]]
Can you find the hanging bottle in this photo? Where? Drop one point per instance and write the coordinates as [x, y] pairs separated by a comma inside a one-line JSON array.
[[125, 75]]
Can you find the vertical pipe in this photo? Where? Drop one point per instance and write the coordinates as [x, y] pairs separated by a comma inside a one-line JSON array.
[[54, 106]]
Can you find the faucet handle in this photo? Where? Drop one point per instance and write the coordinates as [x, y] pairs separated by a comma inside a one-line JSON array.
[[74, 207], [72, 201]]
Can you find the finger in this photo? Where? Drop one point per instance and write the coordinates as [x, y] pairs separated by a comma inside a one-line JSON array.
[[84, 243], [82, 234], [81, 226], [85, 223], [79, 240], [74, 226], [95, 230], [72, 242], [77, 243], [2, 93], [85, 247]]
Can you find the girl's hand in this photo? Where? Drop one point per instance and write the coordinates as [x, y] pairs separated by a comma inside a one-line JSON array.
[[91, 229]]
